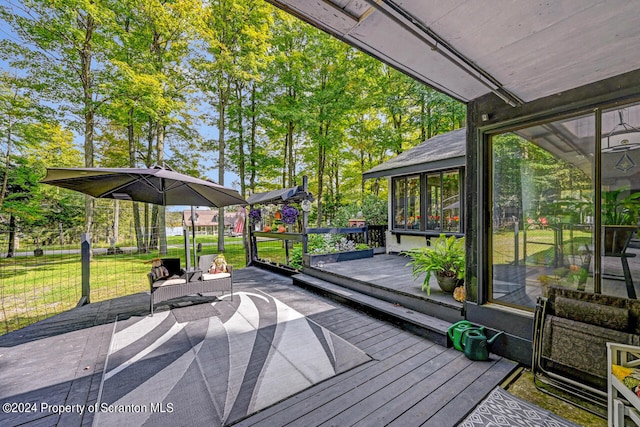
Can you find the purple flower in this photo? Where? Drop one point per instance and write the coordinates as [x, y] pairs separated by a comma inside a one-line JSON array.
[[255, 215], [289, 214]]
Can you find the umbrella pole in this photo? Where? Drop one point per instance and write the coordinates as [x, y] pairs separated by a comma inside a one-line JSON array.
[[187, 251], [193, 231]]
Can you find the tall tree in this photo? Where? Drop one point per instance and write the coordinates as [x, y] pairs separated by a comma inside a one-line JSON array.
[[235, 42], [328, 104], [57, 46], [19, 114]]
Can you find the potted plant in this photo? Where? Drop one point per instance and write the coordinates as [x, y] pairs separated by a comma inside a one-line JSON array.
[[445, 258], [619, 218]]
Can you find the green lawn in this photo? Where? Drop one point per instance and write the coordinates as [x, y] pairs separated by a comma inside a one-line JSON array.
[[34, 288], [540, 245]]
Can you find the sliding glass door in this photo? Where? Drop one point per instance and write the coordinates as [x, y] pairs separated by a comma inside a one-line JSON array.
[[542, 199]]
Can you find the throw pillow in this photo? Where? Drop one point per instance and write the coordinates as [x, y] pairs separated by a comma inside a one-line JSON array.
[[158, 271], [628, 376]]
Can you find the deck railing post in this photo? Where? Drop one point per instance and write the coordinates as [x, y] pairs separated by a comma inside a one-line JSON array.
[[85, 251]]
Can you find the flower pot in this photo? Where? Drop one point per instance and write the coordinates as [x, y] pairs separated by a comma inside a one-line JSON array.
[[617, 237], [447, 284]]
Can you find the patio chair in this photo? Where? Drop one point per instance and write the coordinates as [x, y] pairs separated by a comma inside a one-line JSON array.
[[175, 287], [215, 281], [167, 288]]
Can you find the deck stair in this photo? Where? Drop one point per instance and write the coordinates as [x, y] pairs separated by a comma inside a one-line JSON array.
[[430, 327], [387, 277]]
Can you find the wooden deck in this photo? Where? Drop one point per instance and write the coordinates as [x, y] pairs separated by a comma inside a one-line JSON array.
[[410, 381], [389, 278]]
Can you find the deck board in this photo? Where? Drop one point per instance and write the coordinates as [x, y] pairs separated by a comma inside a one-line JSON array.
[[338, 392], [340, 411], [422, 412], [410, 380], [389, 272]]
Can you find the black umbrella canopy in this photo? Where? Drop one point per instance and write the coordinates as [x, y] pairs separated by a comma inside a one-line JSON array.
[[156, 185]]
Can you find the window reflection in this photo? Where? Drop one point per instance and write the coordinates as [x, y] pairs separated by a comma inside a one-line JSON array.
[[399, 190], [620, 190], [434, 220], [542, 200], [437, 209]]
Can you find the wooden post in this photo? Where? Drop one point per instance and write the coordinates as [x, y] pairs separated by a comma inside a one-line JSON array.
[[305, 217], [252, 252], [85, 251]]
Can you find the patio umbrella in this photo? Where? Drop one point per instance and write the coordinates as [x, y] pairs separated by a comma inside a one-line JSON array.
[[160, 186], [156, 185]]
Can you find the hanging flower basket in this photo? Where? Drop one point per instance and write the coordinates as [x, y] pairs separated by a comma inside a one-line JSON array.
[[289, 214], [255, 215]]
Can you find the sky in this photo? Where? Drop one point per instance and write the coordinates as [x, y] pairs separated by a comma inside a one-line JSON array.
[[208, 132]]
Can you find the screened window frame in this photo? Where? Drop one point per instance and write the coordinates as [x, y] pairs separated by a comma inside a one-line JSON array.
[[424, 201]]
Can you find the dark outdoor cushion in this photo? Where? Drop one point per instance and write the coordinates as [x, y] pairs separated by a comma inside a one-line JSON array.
[[581, 346], [595, 314], [633, 305], [173, 265]]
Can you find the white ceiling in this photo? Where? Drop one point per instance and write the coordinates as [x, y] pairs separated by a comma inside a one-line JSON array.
[[521, 49]]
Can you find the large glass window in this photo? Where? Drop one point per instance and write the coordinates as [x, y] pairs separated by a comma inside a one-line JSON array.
[[399, 202], [413, 203], [542, 194], [620, 187], [451, 201], [434, 205], [438, 209], [407, 202]]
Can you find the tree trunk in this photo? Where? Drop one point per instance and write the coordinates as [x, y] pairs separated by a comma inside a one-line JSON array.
[[116, 222], [322, 158], [285, 151], [241, 155], [140, 244], [290, 163], [12, 236], [362, 171], [222, 107], [161, 223], [252, 147], [89, 110], [7, 157]]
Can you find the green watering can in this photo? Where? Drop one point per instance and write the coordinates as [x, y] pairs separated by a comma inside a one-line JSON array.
[[455, 333], [475, 343]]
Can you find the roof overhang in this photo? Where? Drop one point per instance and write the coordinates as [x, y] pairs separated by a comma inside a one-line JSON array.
[[519, 50], [444, 151], [293, 194]]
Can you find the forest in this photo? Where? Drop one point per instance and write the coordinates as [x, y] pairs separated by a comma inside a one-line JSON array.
[[213, 89]]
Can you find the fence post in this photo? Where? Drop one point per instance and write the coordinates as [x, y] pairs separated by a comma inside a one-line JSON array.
[[85, 251]]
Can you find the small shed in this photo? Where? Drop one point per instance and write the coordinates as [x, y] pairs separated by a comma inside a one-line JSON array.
[[426, 185]]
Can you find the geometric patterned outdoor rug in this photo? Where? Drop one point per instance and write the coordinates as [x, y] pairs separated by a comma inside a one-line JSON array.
[[215, 363], [501, 408]]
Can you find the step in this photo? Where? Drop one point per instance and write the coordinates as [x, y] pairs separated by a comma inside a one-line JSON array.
[[421, 324], [435, 305]]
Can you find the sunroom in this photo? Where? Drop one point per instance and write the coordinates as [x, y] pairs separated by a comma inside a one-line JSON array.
[[426, 196]]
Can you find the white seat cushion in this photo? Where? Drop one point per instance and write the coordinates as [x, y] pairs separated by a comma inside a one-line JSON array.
[[168, 282], [209, 276]]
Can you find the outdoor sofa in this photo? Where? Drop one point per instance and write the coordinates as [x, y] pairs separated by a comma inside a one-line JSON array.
[[182, 283]]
